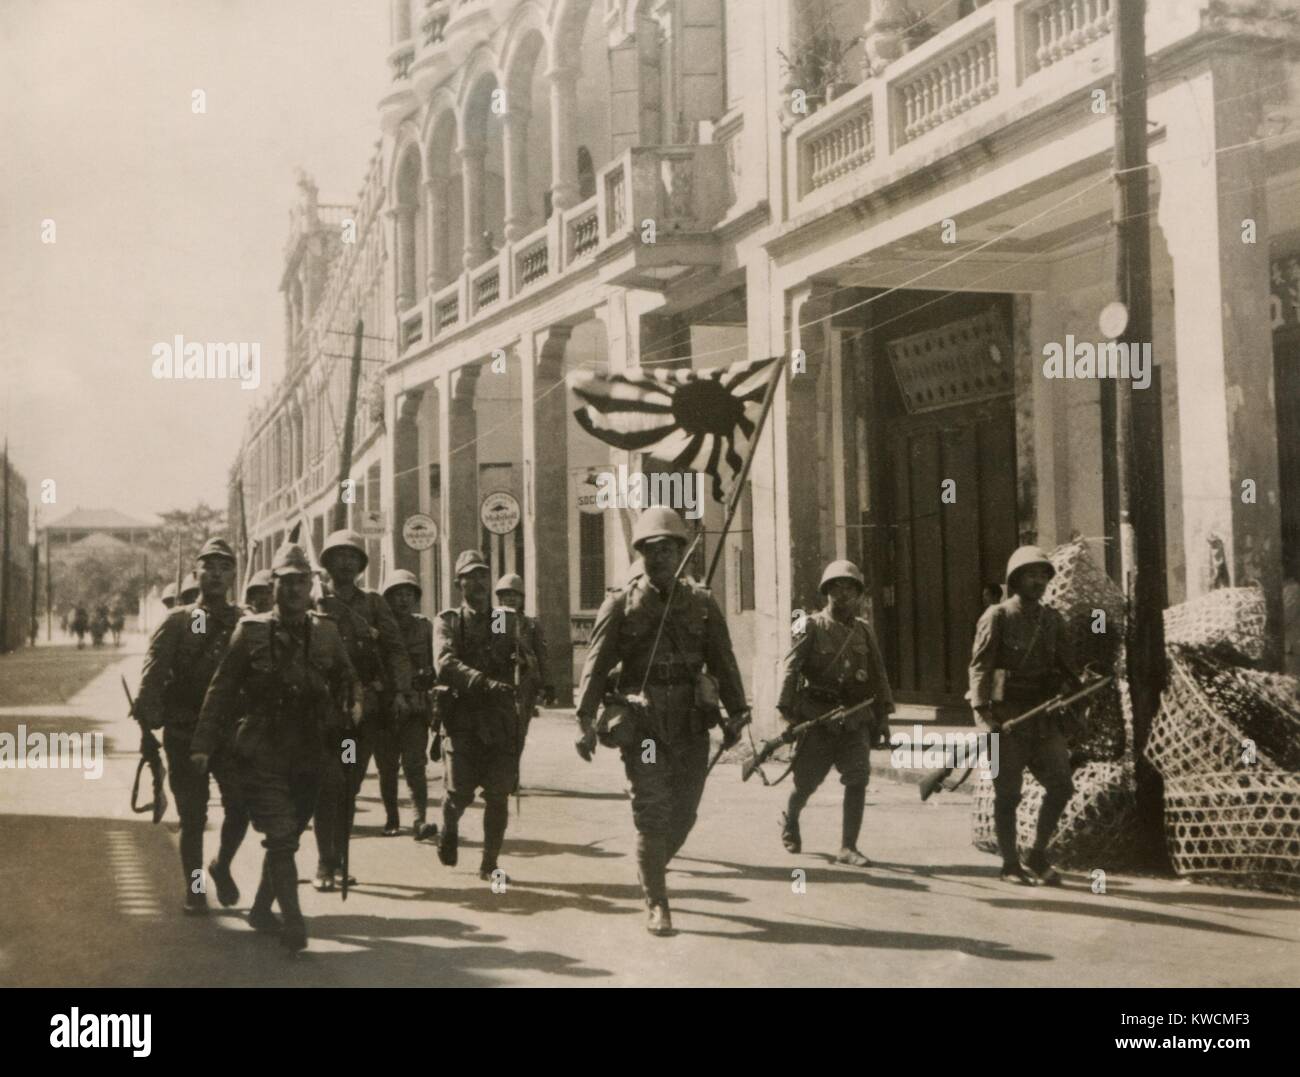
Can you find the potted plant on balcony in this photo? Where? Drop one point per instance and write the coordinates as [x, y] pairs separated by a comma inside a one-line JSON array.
[[815, 67]]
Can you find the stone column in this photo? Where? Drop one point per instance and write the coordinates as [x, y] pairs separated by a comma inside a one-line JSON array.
[[810, 333], [546, 493], [407, 475], [403, 218], [515, 135], [1227, 423], [432, 235], [458, 451], [471, 157], [564, 145]]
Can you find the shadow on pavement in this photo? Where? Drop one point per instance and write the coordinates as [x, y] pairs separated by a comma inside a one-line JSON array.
[[827, 871], [1128, 915]]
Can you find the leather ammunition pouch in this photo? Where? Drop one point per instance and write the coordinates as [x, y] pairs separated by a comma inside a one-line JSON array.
[[619, 723], [708, 704]]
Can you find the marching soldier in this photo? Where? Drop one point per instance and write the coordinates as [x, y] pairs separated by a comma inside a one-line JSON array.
[[475, 652], [169, 596], [257, 592], [537, 685], [670, 643], [835, 662], [184, 653], [189, 589], [285, 679], [1021, 658], [405, 739], [375, 648]]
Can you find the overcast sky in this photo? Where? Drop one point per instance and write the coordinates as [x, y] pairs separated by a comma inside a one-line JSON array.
[[167, 222]]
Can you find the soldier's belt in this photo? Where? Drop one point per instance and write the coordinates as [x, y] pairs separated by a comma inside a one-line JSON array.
[[824, 695], [670, 673]]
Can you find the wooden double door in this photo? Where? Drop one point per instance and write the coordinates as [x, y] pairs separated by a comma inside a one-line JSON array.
[[950, 485]]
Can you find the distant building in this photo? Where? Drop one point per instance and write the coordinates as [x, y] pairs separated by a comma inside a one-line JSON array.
[[106, 527]]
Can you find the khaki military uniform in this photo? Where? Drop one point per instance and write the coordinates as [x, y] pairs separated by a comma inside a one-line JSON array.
[[404, 737], [1029, 645], [369, 632], [665, 747], [285, 687], [178, 668], [833, 664], [483, 722]]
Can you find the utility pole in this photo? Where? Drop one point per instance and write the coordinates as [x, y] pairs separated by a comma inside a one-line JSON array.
[[349, 422], [1138, 423], [49, 594]]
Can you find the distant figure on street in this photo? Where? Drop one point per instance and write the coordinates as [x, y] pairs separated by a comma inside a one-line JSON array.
[[80, 625], [116, 622], [99, 625]]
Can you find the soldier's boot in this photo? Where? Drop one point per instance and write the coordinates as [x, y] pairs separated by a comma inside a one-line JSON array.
[[1054, 801], [284, 881], [227, 891], [855, 799], [449, 839], [1004, 825], [191, 842], [388, 794], [933, 782], [422, 830], [496, 814], [651, 857], [660, 920], [260, 916], [790, 836]]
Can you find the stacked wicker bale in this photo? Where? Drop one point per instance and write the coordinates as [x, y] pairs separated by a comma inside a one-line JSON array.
[[1227, 743], [1096, 828], [1088, 600]]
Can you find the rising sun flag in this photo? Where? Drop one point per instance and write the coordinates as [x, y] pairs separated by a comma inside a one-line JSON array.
[[700, 420]]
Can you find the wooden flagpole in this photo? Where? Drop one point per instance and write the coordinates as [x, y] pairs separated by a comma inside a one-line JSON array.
[[733, 500]]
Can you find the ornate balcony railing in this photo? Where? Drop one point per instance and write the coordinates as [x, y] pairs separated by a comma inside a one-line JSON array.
[[487, 287], [1057, 28], [532, 260], [583, 226], [985, 63], [952, 84], [446, 308], [412, 327], [842, 148], [681, 188]]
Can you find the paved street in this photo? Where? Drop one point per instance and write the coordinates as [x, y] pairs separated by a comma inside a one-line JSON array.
[[92, 892]]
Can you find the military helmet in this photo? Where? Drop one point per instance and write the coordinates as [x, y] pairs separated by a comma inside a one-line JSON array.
[[1025, 557], [470, 561], [841, 570], [258, 579], [189, 586], [217, 547], [509, 582], [344, 540], [169, 592], [657, 522], [290, 560], [402, 578]]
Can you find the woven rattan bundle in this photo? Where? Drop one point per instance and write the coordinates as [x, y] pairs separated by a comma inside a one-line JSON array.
[[1216, 718], [1227, 623], [1096, 828], [1236, 827], [1088, 599]]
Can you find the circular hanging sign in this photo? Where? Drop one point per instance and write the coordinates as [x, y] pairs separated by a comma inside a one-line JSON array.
[[1113, 320], [420, 531], [500, 512]]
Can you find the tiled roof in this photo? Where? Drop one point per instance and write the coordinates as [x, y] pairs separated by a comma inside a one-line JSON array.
[[98, 520]]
